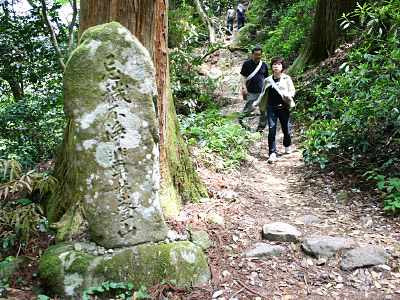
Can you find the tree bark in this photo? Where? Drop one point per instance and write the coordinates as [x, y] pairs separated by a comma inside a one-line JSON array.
[[16, 89], [326, 34], [148, 21]]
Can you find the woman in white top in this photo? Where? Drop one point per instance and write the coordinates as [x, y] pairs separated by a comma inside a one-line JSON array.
[[275, 100]]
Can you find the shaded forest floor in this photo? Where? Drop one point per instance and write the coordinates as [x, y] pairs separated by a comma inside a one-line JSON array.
[[260, 193]]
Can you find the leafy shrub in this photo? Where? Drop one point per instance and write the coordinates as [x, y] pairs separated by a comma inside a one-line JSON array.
[[20, 218], [31, 118], [354, 119], [31, 129], [283, 26], [391, 192], [217, 137], [25, 219], [192, 92], [356, 112], [14, 181], [119, 290], [389, 186]]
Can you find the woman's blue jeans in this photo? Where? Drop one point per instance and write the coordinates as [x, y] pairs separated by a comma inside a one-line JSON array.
[[272, 115]]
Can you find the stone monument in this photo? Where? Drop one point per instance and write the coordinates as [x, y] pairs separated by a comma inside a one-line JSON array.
[[110, 167], [110, 95]]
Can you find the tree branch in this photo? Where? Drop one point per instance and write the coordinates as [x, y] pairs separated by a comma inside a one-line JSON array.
[[206, 20], [71, 27], [52, 34]]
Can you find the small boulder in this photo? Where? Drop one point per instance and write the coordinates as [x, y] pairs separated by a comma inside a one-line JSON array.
[[280, 231], [325, 246], [201, 239], [265, 250], [366, 221], [367, 256], [216, 219], [309, 219]]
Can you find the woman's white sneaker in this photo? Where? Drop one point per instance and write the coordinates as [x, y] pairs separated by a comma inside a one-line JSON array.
[[288, 150], [272, 158]]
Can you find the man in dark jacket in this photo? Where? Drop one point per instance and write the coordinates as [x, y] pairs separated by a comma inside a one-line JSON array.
[[253, 73]]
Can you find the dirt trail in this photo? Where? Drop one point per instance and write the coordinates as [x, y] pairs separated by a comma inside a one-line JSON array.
[[261, 193]]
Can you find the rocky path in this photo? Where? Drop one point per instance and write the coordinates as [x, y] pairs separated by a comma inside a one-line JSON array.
[[310, 203]]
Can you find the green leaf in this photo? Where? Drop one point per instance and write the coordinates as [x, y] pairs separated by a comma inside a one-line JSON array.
[[381, 184], [24, 201], [42, 297], [293, 246]]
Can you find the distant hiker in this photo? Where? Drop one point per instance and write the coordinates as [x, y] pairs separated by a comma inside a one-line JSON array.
[[252, 78], [240, 12], [272, 106], [231, 16], [217, 9]]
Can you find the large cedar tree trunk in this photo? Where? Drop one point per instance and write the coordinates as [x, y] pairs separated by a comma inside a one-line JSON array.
[[148, 21], [326, 34]]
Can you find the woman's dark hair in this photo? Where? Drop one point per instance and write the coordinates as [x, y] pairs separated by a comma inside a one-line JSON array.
[[278, 59], [256, 48]]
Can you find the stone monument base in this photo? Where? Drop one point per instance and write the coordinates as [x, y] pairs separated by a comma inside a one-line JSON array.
[[68, 268]]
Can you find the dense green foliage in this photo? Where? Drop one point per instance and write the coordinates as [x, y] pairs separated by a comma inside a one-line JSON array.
[[283, 26], [31, 125], [27, 57], [192, 92], [31, 129], [354, 119], [31, 117], [221, 142]]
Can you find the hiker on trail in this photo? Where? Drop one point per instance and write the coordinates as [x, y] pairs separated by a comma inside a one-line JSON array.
[[253, 72], [231, 16], [217, 9], [277, 92], [240, 12]]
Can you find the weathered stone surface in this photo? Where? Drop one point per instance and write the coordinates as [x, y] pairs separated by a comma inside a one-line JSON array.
[[265, 250], [217, 219], [367, 221], [201, 239], [309, 219], [63, 269], [325, 246], [280, 231], [66, 271], [228, 194], [366, 256], [110, 95]]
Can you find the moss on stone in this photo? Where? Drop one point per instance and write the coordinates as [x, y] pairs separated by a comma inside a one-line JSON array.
[[149, 265], [50, 267], [66, 271], [80, 264]]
